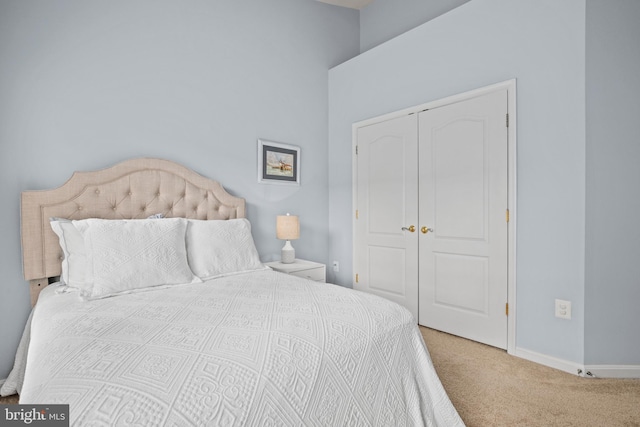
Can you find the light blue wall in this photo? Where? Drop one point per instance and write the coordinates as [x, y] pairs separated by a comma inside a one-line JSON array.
[[85, 84], [541, 44], [381, 20], [613, 183]]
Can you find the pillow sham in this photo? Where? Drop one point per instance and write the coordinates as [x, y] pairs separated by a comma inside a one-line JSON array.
[[128, 255], [74, 263], [218, 248]]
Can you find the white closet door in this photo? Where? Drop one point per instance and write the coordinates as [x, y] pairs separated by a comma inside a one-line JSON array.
[[463, 199], [386, 260]]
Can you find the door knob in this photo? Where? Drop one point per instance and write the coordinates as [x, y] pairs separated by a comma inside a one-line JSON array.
[[411, 228], [425, 230]]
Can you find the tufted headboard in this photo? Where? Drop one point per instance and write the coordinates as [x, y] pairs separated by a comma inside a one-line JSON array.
[[132, 189]]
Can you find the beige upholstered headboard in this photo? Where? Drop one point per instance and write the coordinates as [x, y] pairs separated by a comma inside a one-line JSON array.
[[132, 189]]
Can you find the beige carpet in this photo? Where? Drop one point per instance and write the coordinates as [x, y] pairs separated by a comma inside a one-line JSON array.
[[490, 388], [9, 400]]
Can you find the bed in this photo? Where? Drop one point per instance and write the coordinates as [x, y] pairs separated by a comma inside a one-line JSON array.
[[161, 313]]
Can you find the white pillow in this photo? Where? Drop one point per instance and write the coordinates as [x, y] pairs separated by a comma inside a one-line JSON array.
[[129, 255], [74, 264], [218, 248]]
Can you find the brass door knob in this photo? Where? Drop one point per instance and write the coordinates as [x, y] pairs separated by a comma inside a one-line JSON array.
[[411, 228], [425, 230]]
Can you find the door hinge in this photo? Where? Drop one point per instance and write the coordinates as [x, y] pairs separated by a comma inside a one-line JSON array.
[[357, 213], [357, 278], [507, 215], [356, 150], [506, 309], [507, 119]]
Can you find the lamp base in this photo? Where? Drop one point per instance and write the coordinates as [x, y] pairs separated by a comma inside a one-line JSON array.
[[288, 254]]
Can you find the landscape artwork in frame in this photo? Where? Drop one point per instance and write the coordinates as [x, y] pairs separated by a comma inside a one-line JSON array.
[[278, 163]]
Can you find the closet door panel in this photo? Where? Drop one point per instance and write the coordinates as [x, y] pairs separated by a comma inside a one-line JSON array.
[[462, 205], [386, 261], [459, 180]]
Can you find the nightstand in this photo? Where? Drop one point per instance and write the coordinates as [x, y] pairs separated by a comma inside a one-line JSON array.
[[302, 268]]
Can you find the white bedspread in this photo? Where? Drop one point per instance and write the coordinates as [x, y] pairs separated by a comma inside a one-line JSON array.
[[256, 349]]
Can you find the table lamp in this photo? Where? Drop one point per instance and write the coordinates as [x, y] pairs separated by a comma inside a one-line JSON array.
[[287, 228]]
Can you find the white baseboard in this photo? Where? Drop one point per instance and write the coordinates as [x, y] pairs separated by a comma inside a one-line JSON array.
[[587, 371], [614, 371], [550, 361]]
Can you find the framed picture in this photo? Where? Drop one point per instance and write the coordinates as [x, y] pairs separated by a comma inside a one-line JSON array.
[[278, 163]]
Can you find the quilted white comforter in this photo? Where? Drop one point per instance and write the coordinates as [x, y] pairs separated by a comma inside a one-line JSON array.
[[255, 349]]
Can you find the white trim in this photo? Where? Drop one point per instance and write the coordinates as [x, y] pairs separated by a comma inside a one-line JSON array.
[[613, 371], [513, 185], [550, 361], [354, 201], [587, 371], [510, 85]]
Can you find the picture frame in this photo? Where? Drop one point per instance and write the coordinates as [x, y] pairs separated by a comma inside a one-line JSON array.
[[278, 163]]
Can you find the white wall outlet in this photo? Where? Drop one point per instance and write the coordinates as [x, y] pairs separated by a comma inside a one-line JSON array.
[[336, 266], [563, 309]]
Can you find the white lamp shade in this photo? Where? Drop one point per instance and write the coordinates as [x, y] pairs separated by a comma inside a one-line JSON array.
[[287, 227]]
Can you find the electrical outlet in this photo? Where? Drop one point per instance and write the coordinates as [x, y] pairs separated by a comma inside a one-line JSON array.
[[336, 266], [563, 309]]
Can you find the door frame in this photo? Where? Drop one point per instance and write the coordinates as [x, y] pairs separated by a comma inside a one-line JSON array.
[[510, 85]]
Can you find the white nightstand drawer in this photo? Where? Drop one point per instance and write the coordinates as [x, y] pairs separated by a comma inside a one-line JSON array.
[[315, 274], [302, 268]]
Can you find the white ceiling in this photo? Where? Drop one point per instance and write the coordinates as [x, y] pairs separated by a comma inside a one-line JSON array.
[[353, 4]]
